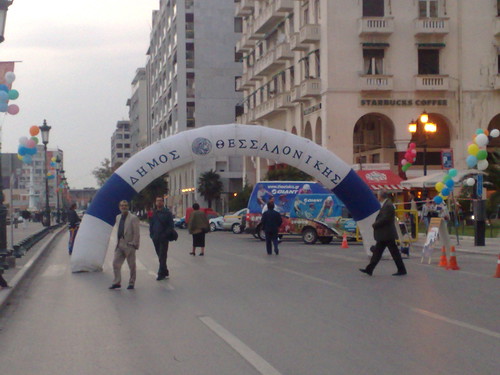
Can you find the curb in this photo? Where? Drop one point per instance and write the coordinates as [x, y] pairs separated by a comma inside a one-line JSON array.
[[24, 271]]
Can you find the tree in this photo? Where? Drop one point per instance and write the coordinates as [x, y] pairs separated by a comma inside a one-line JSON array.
[[104, 172], [288, 173], [210, 186], [147, 196], [241, 200]]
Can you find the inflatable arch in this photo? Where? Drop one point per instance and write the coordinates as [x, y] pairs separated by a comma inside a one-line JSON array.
[[217, 140]]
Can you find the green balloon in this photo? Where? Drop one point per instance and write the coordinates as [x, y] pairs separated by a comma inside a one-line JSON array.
[[13, 94], [482, 155]]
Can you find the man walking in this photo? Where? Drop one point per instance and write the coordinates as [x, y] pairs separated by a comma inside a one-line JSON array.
[[271, 222], [160, 226], [385, 234], [128, 243]]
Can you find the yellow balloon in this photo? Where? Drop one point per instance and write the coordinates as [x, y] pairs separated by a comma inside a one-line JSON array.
[[473, 149], [439, 186], [20, 157], [53, 158]]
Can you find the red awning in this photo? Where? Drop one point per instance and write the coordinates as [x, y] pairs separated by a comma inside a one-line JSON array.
[[381, 180]]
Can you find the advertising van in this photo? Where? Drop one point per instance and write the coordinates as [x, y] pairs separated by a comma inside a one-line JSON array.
[[308, 209]]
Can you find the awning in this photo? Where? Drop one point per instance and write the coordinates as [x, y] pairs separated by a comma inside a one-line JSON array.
[[431, 180], [381, 179]]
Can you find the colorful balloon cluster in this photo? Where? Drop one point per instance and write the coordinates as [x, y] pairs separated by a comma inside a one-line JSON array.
[[445, 187], [6, 95], [410, 156], [27, 146], [477, 149], [51, 174]]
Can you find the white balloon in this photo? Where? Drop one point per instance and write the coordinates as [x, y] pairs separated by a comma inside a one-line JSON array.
[[482, 165], [23, 140], [495, 133], [470, 181], [482, 140], [10, 77]]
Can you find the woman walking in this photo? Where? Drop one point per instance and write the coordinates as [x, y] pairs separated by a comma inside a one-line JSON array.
[[198, 225]]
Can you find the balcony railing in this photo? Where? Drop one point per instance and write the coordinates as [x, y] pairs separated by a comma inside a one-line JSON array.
[[376, 83], [283, 52], [310, 87], [376, 25], [267, 63], [310, 33], [497, 26], [264, 109], [427, 26], [284, 100], [497, 82], [272, 15], [244, 8], [295, 44], [432, 83], [295, 94]]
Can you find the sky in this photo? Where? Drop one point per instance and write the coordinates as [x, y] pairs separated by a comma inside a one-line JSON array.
[[78, 61]]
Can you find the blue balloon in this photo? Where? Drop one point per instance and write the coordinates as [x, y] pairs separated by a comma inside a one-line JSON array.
[[471, 161], [452, 172], [21, 150], [4, 96], [4, 88], [445, 192], [438, 199], [450, 183], [31, 151], [3, 107], [27, 159]]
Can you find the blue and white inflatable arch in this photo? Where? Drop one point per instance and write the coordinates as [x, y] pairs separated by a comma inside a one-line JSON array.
[[217, 140]]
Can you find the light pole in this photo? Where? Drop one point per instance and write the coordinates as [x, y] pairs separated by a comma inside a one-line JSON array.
[[58, 170], [45, 129], [4, 6], [63, 202], [422, 127]]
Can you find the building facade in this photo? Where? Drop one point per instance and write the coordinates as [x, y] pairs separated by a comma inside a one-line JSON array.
[[138, 112], [121, 146], [351, 75], [192, 68]]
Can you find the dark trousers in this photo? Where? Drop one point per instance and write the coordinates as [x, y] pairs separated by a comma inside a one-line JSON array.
[[272, 239], [378, 250], [3, 283], [161, 248]]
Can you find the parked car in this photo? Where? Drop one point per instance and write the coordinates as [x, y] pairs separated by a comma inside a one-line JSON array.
[[180, 222], [233, 221], [216, 223]]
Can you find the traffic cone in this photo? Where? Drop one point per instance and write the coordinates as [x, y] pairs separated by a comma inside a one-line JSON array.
[[443, 262], [498, 267], [344, 242], [453, 260]]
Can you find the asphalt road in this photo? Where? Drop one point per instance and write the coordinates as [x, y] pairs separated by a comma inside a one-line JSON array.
[[308, 311]]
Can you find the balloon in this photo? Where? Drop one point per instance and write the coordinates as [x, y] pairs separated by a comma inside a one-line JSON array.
[[31, 151], [51, 177], [473, 149], [446, 178], [35, 139], [23, 140], [482, 165], [4, 96], [13, 109], [4, 107], [52, 164], [4, 88], [30, 143], [452, 172], [413, 151], [34, 130], [482, 154], [27, 159], [438, 199], [53, 158], [405, 167], [482, 140], [494, 133], [10, 77], [471, 161], [13, 94], [404, 161], [21, 150], [486, 132], [413, 145], [20, 157], [439, 186], [450, 183], [479, 131], [445, 192], [470, 181]]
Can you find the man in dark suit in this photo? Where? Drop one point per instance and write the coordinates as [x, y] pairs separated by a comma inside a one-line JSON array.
[[385, 234], [271, 222]]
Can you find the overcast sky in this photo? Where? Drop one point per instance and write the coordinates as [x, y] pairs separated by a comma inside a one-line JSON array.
[[78, 62]]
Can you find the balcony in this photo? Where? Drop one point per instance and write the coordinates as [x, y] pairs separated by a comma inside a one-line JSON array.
[[244, 8], [432, 83], [265, 109], [283, 52], [375, 26], [432, 26], [295, 95], [310, 87], [267, 63], [310, 34], [295, 44], [284, 100], [239, 85], [245, 82], [272, 15], [241, 45], [376, 83], [497, 82], [497, 27]]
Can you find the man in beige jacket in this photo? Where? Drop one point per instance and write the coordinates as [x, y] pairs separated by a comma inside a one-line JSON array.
[[128, 242]]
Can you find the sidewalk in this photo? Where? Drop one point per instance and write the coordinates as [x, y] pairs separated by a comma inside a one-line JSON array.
[[466, 245]]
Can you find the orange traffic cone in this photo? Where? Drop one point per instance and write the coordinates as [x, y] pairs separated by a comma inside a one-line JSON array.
[[344, 242], [498, 267], [443, 262], [453, 260]]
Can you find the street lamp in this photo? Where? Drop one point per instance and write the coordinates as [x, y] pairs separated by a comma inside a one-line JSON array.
[[63, 202], [45, 129], [58, 170], [4, 6], [422, 127]]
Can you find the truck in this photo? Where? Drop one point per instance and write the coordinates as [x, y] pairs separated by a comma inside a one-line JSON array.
[[308, 209]]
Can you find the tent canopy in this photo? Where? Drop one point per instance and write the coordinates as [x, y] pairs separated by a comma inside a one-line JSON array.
[[433, 179], [381, 179]]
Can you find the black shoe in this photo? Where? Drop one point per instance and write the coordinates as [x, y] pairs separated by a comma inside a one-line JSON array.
[[160, 278], [130, 286], [365, 271], [399, 274], [277, 252], [115, 286], [201, 254]]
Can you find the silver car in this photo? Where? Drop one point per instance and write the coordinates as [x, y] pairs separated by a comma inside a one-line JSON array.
[[233, 221]]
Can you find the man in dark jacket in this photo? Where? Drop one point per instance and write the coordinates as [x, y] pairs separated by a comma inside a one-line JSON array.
[[160, 226], [271, 222], [385, 234]]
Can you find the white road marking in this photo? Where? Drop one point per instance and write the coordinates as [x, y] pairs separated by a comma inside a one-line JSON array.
[[55, 270], [317, 279], [260, 364], [457, 322]]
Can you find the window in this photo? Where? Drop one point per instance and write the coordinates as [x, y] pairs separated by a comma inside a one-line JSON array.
[[119, 155], [428, 61], [126, 136], [427, 8], [238, 56], [373, 61], [238, 25], [119, 145], [373, 8]]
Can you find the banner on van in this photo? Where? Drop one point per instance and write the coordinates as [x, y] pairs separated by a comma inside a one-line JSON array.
[[316, 206]]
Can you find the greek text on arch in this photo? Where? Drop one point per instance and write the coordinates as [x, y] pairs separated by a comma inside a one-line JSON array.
[[254, 144], [150, 165]]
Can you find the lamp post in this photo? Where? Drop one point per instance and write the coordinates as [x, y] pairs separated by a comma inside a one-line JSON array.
[[45, 129], [63, 184], [58, 170], [422, 127], [4, 6]]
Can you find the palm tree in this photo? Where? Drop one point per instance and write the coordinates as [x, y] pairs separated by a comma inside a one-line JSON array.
[[210, 186]]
